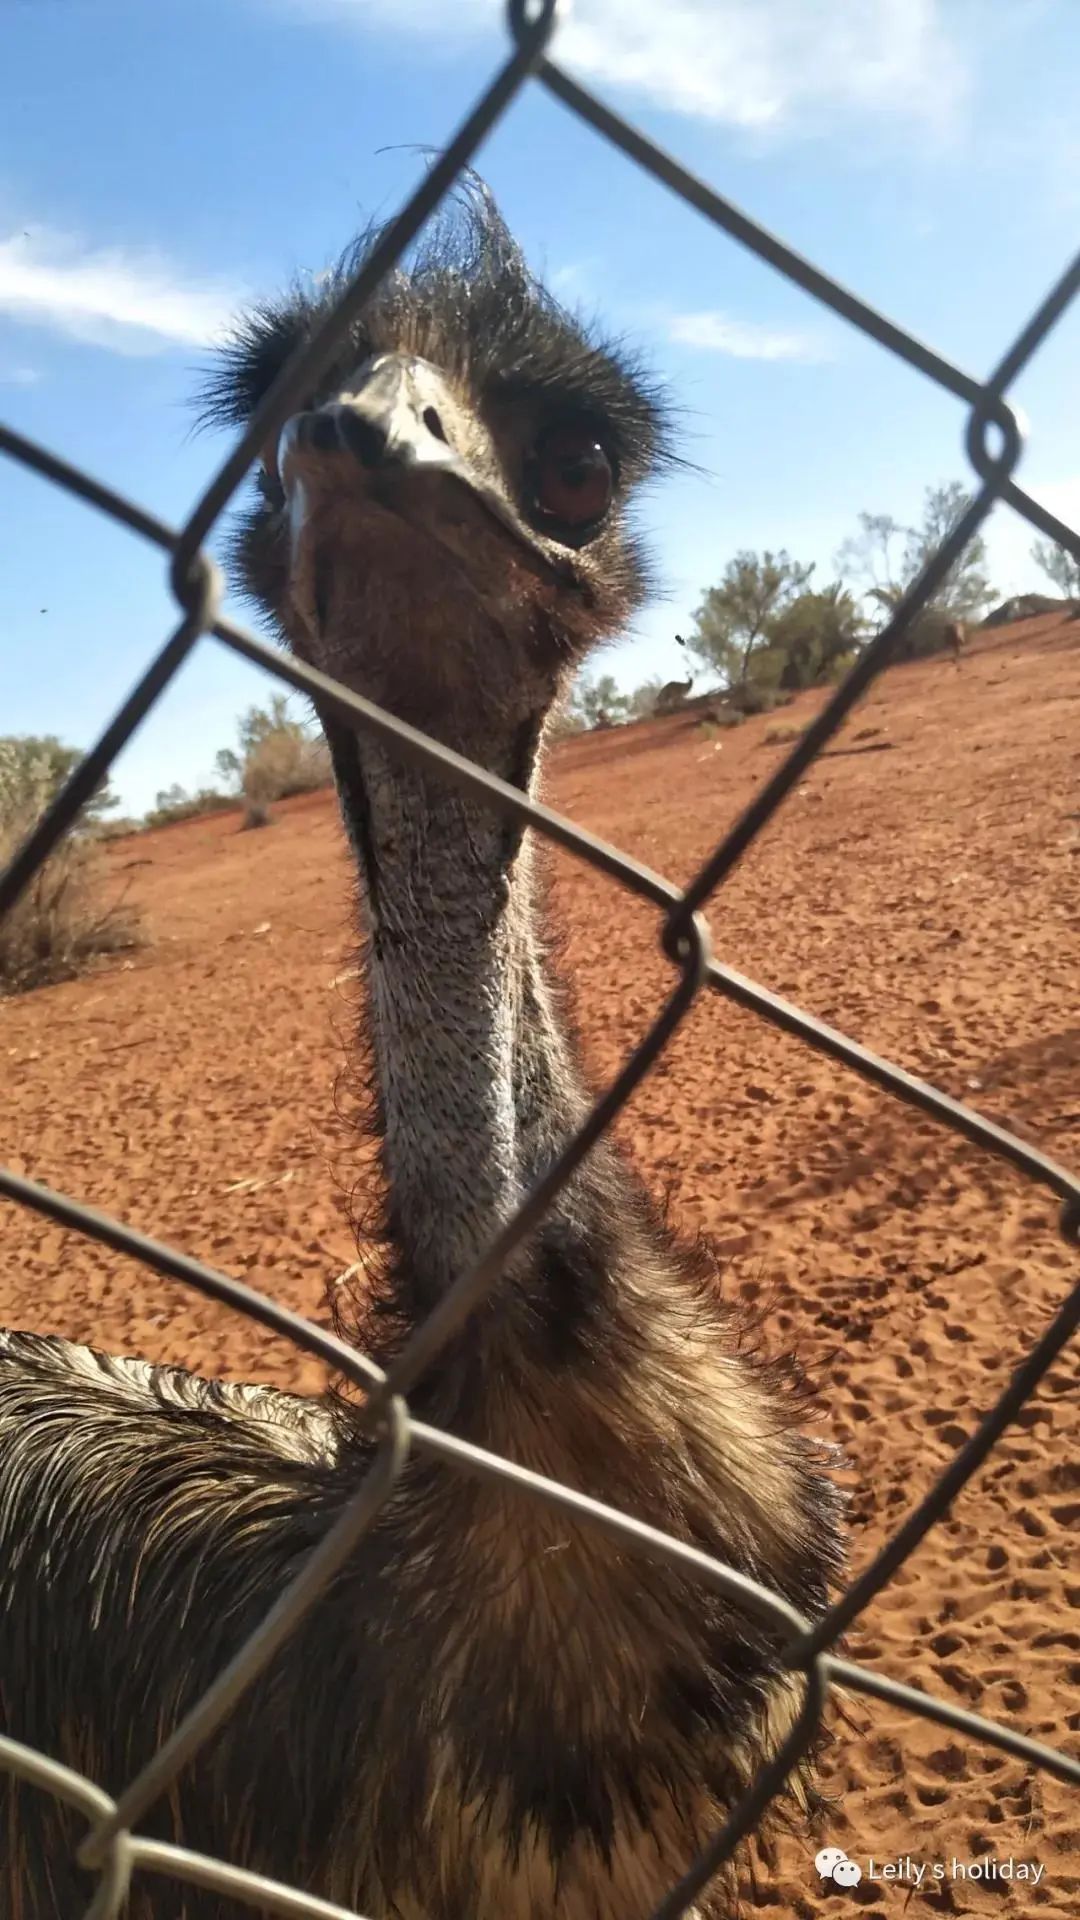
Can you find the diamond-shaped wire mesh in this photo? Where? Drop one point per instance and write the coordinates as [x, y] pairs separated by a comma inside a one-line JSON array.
[[113, 1846]]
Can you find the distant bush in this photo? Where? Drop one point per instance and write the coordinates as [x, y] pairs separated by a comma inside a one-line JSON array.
[[927, 634], [257, 814], [176, 803], [719, 719], [593, 703], [282, 764], [119, 829], [60, 924], [277, 758], [839, 667], [642, 702], [782, 736]]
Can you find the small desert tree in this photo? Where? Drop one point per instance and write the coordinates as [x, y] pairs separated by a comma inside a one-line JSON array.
[[39, 763], [278, 756], [1059, 565], [885, 558], [61, 921], [596, 702], [733, 621], [815, 639]]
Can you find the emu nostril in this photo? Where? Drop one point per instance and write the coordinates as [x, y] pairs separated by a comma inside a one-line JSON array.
[[362, 437], [320, 432], [434, 425]]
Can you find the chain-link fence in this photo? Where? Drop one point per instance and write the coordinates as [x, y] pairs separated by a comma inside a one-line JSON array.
[[113, 1847]]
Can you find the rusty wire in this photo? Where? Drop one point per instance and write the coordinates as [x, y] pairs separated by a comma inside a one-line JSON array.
[[113, 1846]]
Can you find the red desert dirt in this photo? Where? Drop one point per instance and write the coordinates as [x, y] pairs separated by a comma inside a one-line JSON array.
[[921, 891]]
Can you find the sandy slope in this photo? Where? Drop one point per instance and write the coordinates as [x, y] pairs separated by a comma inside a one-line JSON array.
[[922, 893]]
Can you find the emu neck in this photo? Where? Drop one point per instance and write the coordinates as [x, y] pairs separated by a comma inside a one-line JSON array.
[[477, 1084]]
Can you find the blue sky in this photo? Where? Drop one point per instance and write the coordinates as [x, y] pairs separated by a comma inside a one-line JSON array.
[[160, 163]]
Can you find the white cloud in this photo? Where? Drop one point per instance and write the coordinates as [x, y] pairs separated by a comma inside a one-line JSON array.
[[19, 376], [740, 339], [126, 301], [572, 280], [756, 64]]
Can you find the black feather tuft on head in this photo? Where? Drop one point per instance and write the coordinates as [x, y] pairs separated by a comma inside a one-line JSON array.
[[465, 299]]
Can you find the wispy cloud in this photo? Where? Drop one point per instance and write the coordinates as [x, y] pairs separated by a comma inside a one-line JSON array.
[[715, 332], [128, 302], [571, 280], [741, 62], [19, 376]]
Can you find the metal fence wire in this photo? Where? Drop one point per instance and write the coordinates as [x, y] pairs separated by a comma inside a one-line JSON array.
[[113, 1846]]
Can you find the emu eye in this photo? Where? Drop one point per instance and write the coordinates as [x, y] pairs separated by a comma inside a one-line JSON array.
[[570, 476]]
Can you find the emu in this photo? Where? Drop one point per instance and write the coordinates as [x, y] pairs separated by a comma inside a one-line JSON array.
[[674, 693], [493, 1711], [955, 637]]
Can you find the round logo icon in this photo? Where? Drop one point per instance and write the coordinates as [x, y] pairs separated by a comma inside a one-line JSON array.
[[833, 1864]]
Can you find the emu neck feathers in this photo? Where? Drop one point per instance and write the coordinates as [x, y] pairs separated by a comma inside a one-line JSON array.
[[478, 1088]]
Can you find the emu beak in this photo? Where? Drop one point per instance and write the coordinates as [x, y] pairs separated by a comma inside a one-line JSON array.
[[397, 418]]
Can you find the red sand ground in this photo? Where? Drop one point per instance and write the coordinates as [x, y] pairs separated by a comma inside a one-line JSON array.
[[925, 899]]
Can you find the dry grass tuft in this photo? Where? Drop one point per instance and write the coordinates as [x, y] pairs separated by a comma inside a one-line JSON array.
[[62, 923]]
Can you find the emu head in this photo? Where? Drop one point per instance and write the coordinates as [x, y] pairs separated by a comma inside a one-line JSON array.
[[444, 526]]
